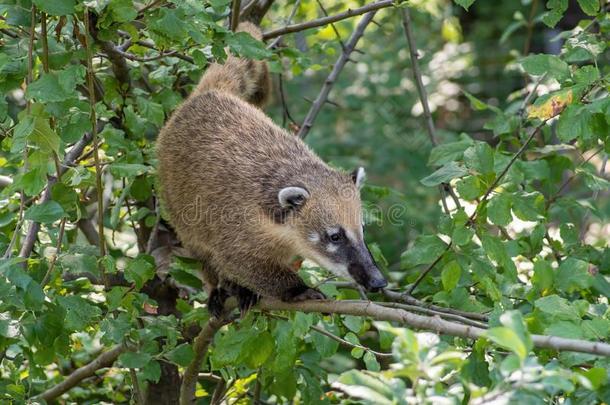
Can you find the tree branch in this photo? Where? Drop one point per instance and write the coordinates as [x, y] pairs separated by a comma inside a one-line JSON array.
[[421, 90], [69, 159], [435, 324], [235, 14], [330, 80], [331, 19], [200, 347], [407, 299], [106, 359]]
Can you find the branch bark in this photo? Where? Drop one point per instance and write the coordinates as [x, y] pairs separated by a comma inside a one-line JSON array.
[[200, 347], [106, 359], [330, 19], [69, 159], [435, 324], [332, 77]]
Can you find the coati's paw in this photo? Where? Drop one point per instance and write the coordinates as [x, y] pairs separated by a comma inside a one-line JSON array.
[[302, 293], [246, 299], [216, 302]]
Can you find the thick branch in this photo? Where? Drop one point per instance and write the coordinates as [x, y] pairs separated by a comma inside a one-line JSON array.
[[330, 80], [106, 359], [200, 347], [330, 19], [435, 324]]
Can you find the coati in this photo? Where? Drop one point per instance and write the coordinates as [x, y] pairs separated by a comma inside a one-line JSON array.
[[248, 198]]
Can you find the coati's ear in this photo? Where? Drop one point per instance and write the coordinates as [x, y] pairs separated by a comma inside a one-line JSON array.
[[292, 197], [358, 177]]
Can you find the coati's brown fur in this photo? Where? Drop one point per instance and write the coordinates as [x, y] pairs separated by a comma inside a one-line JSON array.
[[222, 162]]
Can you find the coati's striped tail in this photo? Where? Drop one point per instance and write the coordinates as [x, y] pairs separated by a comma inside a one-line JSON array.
[[245, 78]]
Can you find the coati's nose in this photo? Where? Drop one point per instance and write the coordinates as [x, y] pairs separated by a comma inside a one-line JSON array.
[[376, 284]]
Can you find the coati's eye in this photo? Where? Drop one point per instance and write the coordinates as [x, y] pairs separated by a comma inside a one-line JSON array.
[[335, 237]]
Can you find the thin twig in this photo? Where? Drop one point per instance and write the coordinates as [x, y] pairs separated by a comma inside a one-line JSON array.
[[60, 237], [423, 274], [332, 77], [431, 312], [152, 239], [421, 90], [106, 359], [277, 40], [402, 297], [234, 22], [339, 339], [200, 348], [96, 157], [136, 387], [331, 19], [333, 26]]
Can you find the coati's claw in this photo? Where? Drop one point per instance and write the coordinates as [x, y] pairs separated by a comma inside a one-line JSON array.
[[304, 293], [246, 299], [216, 302]]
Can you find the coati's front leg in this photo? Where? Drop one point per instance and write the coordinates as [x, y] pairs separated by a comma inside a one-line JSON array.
[[272, 280]]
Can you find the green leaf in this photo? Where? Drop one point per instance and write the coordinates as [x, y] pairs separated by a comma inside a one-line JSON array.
[[528, 206], [169, 24], [79, 312], [44, 137], [259, 352], [476, 103], [448, 152], [425, 250], [470, 187], [242, 44], [56, 86], [140, 270], [450, 276], [496, 250], [446, 173], [122, 10], [557, 307], [56, 7], [46, 213], [499, 209], [590, 7], [514, 321], [370, 361], [564, 329], [543, 277], [134, 359], [551, 65], [464, 3], [592, 181], [572, 275], [555, 13], [577, 122], [128, 169], [181, 355], [508, 339], [323, 344], [480, 157]]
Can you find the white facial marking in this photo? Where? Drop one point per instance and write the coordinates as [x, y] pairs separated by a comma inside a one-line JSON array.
[[350, 235], [330, 248], [314, 237]]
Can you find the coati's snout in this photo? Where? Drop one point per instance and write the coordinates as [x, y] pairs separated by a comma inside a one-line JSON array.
[[328, 222]]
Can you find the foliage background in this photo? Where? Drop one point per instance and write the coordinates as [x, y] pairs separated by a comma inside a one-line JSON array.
[[535, 258]]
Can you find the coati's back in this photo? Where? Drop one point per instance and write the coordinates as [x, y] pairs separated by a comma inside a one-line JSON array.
[[233, 182]]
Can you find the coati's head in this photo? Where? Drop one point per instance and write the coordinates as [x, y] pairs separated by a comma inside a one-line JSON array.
[[326, 214]]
